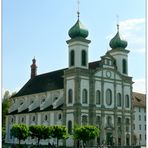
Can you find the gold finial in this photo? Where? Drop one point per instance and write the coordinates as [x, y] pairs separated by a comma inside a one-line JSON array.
[[78, 12], [117, 22]]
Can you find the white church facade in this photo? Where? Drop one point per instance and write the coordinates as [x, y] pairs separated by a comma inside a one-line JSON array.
[[97, 93]]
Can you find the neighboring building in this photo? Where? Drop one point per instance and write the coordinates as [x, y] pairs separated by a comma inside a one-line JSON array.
[[97, 93], [139, 118]]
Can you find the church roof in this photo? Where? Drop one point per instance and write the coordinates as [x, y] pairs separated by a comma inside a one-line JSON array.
[[78, 30], [139, 100], [117, 41], [48, 81], [44, 82]]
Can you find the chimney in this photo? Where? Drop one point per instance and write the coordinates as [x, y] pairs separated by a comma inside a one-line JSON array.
[[33, 68]]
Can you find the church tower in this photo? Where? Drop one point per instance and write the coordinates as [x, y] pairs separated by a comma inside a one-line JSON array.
[[119, 52], [78, 46], [76, 78]]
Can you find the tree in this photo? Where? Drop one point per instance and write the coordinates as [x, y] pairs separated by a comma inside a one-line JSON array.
[[59, 132], [3, 134], [39, 132], [86, 133], [6, 105], [20, 131]]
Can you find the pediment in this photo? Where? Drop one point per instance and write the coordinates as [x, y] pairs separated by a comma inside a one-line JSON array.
[[108, 73]]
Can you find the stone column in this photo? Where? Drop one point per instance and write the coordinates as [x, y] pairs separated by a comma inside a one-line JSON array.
[[115, 135], [132, 114], [39, 119], [123, 141], [102, 134], [77, 97], [116, 128], [92, 107]]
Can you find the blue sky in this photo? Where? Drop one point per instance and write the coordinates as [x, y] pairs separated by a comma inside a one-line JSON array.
[[40, 28]]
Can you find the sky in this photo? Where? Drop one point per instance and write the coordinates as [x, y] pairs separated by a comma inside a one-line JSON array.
[[39, 28]]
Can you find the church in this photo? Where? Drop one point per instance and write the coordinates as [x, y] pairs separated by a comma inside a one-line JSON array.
[[85, 93]]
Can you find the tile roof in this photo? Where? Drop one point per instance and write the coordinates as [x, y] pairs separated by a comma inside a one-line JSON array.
[[139, 100], [48, 81], [44, 82]]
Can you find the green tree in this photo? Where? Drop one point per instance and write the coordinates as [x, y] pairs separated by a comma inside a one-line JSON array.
[[59, 132], [6, 105], [20, 131], [86, 133], [3, 134], [39, 132]]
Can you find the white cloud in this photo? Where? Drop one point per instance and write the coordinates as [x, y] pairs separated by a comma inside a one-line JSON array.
[[132, 24], [139, 85], [133, 30], [10, 91]]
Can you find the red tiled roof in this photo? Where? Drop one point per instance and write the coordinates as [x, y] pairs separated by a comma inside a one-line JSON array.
[[139, 99]]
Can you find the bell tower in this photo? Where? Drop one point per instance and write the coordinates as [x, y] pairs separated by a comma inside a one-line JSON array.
[[78, 45], [119, 52]]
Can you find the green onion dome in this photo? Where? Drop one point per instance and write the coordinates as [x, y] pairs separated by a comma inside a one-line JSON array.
[[78, 30], [117, 42]]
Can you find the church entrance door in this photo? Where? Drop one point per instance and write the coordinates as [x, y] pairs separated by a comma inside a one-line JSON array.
[[109, 139]]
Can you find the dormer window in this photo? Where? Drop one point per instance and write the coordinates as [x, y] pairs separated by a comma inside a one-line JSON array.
[[31, 102], [55, 99], [43, 100], [21, 103]]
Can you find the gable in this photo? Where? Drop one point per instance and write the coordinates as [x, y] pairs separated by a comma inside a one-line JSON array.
[[108, 73]]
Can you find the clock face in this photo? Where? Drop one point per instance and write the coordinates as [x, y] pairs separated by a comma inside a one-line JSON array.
[[108, 74]]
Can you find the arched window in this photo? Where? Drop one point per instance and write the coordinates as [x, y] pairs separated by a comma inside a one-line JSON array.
[[72, 58], [22, 119], [59, 116], [84, 120], [108, 97], [127, 121], [124, 66], [84, 96], [70, 127], [127, 101], [98, 97], [98, 120], [45, 118], [83, 58], [70, 96], [119, 120], [12, 120], [119, 99], [33, 118], [109, 121]]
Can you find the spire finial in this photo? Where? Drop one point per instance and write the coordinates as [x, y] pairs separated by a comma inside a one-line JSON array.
[[78, 12], [117, 23]]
